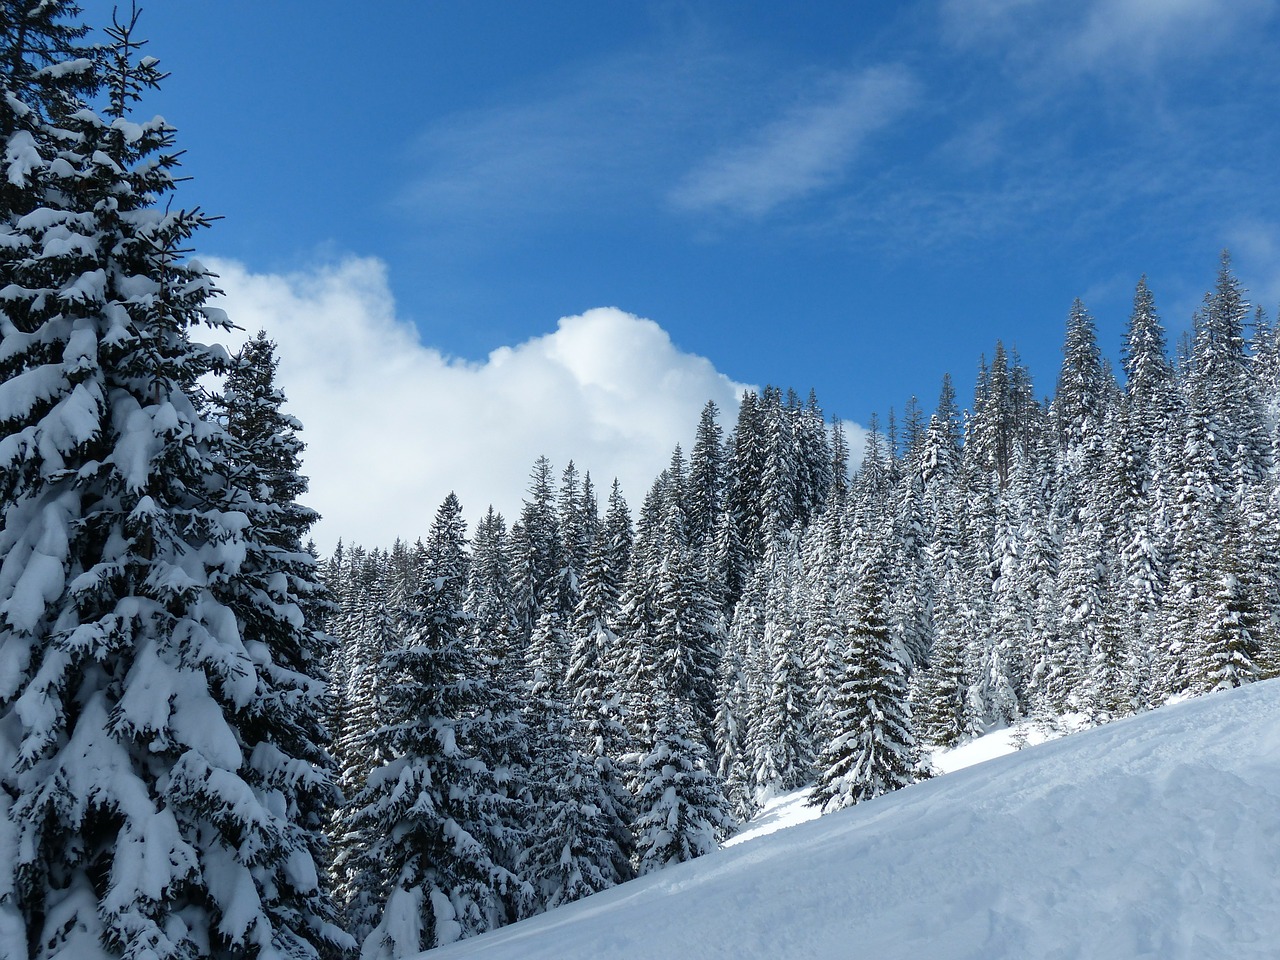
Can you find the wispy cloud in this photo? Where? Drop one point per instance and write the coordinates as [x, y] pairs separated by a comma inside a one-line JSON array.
[[1048, 40], [1128, 32], [1040, 192], [968, 23], [594, 137], [807, 149], [1066, 123]]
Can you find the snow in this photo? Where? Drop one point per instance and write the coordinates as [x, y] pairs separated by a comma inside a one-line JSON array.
[[64, 68], [21, 157], [781, 812], [789, 809], [1152, 837], [1003, 741]]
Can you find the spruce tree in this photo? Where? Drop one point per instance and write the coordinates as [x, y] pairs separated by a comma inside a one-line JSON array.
[[744, 504], [706, 480], [575, 530], [872, 749], [278, 598], [161, 770], [683, 813], [940, 690], [572, 850], [940, 454], [1233, 629], [738, 695], [912, 593], [432, 811], [537, 558], [731, 735], [781, 748], [501, 659], [373, 627], [595, 690], [684, 629]]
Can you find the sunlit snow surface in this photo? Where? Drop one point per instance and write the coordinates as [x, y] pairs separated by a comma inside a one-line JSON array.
[[791, 808], [1157, 837]]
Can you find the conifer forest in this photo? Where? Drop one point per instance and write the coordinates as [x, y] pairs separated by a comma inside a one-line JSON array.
[[215, 743]]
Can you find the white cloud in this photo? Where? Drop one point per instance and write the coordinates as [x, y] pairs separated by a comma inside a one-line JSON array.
[[807, 149], [392, 426], [855, 438]]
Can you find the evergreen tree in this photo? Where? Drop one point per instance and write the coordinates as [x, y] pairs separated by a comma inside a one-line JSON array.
[[1082, 591], [1205, 506], [939, 694], [736, 709], [995, 425], [572, 853], [745, 506], [432, 811], [506, 746], [491, 603], [1220, 365], [683, 813], [783, 755], [537, 558], [161, 772], [706, 480], [940, 453], [814, 460], [277, 596], [912, 593], [684, 628], [372, 629], [731, 735], [617, 534], [595, 690], [872, 749], [1233, 628], [575, 529], [1079, 403], [824, 631]]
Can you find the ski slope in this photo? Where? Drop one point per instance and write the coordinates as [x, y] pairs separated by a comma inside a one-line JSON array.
[[1157, 836]]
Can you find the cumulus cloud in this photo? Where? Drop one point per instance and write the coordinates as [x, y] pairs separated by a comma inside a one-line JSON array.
[[392, 425], [807, 149]]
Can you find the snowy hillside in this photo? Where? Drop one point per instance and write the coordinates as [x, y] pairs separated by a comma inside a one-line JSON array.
[[1157, 836]]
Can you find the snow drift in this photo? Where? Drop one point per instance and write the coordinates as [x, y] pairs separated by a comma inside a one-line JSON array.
[[1157, 836]]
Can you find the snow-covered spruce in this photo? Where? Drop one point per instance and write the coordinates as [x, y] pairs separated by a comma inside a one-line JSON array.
[[872, 750], [683, 813], [160, 697], [572, 851], [430, 817]]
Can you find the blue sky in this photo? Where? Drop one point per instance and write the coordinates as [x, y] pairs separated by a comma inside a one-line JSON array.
[[851, 197]]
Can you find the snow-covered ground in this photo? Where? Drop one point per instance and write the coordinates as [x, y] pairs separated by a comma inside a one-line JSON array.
[[789, 809], [1153, 837]]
